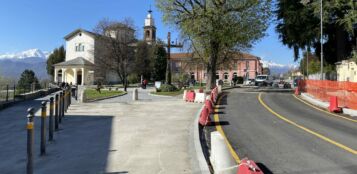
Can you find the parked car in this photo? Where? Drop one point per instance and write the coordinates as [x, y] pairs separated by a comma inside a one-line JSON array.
[[264, 80]]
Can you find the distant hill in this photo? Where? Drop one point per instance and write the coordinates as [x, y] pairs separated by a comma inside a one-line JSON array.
[[12, 65], [276, 68]]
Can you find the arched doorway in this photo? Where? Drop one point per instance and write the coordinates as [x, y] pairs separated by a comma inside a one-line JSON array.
[[79, 77]]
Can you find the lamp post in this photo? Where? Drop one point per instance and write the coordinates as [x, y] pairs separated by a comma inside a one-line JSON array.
[[321, 40]]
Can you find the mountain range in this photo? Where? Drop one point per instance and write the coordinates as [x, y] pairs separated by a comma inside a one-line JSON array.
[[13, 64], [276, 68]]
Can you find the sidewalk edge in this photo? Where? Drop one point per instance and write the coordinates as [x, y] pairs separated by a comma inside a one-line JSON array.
[[199, 163], [319, 103]]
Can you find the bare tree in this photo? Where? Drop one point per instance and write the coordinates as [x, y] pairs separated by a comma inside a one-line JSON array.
[[115, 48]]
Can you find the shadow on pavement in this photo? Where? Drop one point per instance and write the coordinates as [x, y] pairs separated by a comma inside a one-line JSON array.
[[264, 168], [82, 146], [219, 123]]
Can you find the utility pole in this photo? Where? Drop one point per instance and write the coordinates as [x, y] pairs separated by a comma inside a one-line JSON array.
[[321, 41], [168, 65]]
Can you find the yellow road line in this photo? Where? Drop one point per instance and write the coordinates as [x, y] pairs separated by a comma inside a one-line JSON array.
[[306, 129], [220, 130], [331, 114]]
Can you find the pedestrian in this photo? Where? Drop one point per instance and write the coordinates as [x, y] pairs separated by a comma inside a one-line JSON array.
[[145, 82]]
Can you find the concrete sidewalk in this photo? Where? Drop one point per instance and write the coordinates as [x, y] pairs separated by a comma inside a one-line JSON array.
[[137, 137]]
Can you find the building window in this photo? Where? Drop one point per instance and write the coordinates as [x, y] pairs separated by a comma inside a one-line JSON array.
[[225, 76], [217, 76], [79, 47], [235, 75]]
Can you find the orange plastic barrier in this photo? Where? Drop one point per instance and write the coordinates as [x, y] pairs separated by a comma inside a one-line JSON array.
[[334, 105], [346, 92]]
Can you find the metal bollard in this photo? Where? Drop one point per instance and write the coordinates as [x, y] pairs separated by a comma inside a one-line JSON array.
[[29, 127], [63, 104], [60, 107], [56, 112], [43, 128], [50, 121], [64, 101]]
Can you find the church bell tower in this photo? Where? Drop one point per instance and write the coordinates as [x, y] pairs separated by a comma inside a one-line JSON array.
[[149, 29]]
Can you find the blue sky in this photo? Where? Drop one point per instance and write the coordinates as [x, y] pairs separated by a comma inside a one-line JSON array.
[[42, 24]]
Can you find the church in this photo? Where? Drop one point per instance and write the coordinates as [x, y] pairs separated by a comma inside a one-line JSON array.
[[79, 65]]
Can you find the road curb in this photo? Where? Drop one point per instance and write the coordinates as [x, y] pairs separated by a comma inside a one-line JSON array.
[[198, 157], [321, 104]]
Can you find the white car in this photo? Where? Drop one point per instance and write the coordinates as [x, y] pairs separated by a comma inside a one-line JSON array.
[[264, 80]]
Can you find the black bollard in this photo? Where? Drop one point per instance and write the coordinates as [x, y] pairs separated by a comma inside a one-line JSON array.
[[29, 127], [63, 103], [43, 128], [56, 112], [50, 121], [60, 107]]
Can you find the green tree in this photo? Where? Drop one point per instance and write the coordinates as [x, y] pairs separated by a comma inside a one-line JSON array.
[[58, 55], [160, 59], [27, 79], [298, 25], [217, 28], [143, 60]]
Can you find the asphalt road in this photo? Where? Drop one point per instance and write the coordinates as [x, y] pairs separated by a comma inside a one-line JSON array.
[[315, 143]]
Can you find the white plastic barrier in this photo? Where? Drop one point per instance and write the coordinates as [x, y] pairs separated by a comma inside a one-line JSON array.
[[200, 97], [184, 95], [221, 159]]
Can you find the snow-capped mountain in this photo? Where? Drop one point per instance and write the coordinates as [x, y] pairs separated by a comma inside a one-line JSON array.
[[13, 64], [26, 54], [276, 68]]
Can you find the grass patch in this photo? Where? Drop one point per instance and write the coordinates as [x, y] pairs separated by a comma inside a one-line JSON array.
[[173, 93], [92, 94]]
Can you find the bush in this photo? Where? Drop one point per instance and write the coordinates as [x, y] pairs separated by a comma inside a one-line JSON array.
[[167, 88], [133, 78]]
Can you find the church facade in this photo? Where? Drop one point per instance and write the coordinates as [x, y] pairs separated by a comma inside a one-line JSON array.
[[81, 48]]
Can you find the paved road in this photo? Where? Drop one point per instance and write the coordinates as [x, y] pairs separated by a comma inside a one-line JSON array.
[[281, 147]]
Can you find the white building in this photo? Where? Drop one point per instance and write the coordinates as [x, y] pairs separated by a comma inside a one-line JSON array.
[[346, 71], [81, 46]]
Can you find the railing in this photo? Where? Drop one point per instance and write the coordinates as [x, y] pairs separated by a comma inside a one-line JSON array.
[[346, 92]]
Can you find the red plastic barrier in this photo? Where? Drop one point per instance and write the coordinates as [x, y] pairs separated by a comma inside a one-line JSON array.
[[204, 117], [213, 97], [297, 91], [334, 104], [187, 95], [209, 106], [190, 96], [248, 167]]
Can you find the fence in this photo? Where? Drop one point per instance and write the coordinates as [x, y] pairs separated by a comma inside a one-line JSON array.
[[9, 93], [346, 92]]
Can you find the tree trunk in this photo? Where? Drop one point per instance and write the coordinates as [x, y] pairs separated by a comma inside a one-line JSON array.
[[212, 66]]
